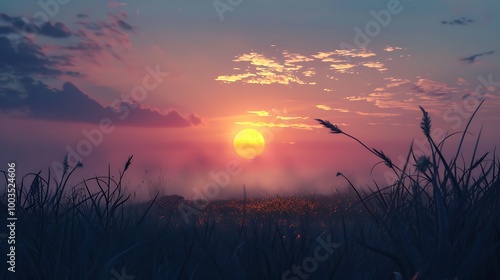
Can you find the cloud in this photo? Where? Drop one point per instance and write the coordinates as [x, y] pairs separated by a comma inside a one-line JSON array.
[[260, 60], [309, 73], [268, 70], [29, 60], [24, 94], [89, 40], [263, 113], [260, 113], [390, 48], [292, 58], [339, 60], [363, 53], [102, 36], [4, 30], [124, 25], [434, 89], [471, 59], [395, 82], [114, 4], [283, 125], [328, 108], [322, 55], [291, 118], [70, 104], [375, 114], [424, 91], [323, 107], [375, 64], [462, 81], [344, 68], [234, 78], [48, 29], [460, 21], [286, 67], [386, 100]]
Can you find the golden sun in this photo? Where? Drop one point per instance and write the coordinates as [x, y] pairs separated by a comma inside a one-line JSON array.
[[249, 143]]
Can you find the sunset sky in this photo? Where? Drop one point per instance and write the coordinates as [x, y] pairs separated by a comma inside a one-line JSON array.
[[173, 82]]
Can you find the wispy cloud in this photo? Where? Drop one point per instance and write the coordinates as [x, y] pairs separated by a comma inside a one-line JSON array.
[[328, 108], [395, 82], [460, 21], [344, 68], [287, 67], [434, 89], [390, 48], [323, 107], [260, 113], [403, 94], [234, 78], [376, 114], [31, 59], [283, 125], [375, 64], [268, 70], [363, 53]]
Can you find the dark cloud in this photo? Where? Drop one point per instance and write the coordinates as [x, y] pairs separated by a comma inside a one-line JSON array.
[[72, 105], [7, 30], [49, 29], [85, 46], [194, 119], [471, 59], [55, 30], [114, 28], [21, 59], [23, 56], [74, 74], [124, 25], [460, 21], [28, 60], [5, 17]]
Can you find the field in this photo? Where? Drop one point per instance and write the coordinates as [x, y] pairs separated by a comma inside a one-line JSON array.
[[438, 220]]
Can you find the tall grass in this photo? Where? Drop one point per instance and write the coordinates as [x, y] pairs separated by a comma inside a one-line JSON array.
[[439, 220]]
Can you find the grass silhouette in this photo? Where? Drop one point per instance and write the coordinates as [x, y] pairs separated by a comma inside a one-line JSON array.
[[439, 220]]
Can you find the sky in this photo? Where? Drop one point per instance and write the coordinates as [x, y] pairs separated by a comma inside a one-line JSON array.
[[173, 82]]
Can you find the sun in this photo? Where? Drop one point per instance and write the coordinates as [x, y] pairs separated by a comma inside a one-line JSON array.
[[249, 143]]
